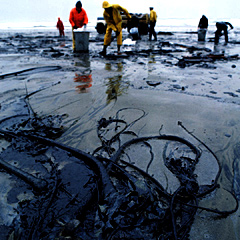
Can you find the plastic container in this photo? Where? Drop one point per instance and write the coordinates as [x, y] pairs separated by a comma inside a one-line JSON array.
[[202, 34], [81, 40]]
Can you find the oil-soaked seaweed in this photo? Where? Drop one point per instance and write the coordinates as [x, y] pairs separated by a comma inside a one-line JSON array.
[[103, 195], [31, 71]]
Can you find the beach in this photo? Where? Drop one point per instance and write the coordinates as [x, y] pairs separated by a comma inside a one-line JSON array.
[[175, 86]]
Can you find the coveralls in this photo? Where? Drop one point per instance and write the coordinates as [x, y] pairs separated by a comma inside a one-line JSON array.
[[60, 27], [153, 20], [77, 20], [114, 23], [222, 26]]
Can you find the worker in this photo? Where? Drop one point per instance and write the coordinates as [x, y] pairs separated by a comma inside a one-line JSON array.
[[222, 27], [153, 20], [78, 18], [202, 28], [113, 19], [60, 27], [203, 22]]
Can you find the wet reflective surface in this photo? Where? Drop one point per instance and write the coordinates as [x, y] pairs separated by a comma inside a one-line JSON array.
[[201, 91]]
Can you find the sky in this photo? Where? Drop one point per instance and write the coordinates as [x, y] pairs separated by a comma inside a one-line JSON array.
[[49, 10]]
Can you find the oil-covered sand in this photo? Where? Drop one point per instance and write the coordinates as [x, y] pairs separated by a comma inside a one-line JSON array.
[[165, 85]]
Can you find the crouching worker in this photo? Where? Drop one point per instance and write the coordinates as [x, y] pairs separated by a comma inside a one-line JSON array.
[[222, 27], [78, 18], [113, 19]]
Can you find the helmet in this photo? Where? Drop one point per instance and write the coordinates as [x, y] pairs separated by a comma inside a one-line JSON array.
[[106, 4]]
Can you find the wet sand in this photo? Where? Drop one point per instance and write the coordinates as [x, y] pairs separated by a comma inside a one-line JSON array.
[[176, 79]]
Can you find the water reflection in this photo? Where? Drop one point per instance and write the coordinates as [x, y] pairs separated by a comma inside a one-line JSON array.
[[154, 76], [116, 86], [83, 60], [152, 45], [118, 68], [108, 66], [84, 78], [151, 61], [85, 82], [219, 49]]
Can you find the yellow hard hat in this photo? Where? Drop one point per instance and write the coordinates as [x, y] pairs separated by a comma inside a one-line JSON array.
[[106, 4]]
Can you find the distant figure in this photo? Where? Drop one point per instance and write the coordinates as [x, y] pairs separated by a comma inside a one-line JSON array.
[[202, 28], [203, 23], [153, 20], [60, 27], [112, 16], [78, 18], [222, 27], [133, 28]]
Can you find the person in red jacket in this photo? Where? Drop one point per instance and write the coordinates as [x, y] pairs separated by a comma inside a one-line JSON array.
[[60, 27], [78, 18]]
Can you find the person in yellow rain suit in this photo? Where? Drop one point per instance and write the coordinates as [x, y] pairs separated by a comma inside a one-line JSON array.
[[113, 19], [153, 20]]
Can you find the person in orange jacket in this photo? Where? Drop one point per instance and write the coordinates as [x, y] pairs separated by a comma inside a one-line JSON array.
[[78, 18], [60, 27]]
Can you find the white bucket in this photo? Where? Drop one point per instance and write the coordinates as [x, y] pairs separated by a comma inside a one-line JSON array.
[[81, 40]]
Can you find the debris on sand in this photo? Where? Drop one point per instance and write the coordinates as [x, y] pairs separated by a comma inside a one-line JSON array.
[[67, 193]]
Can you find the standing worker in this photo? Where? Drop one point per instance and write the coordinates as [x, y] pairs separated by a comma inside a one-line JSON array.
[[153, 20], [202, 28], [222, 26], [203, 22], [60, 27], [113, 19], [78, 18]]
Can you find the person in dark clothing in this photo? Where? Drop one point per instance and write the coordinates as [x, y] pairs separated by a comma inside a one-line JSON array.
[[222, 27], [202, 28], [203, 23]]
